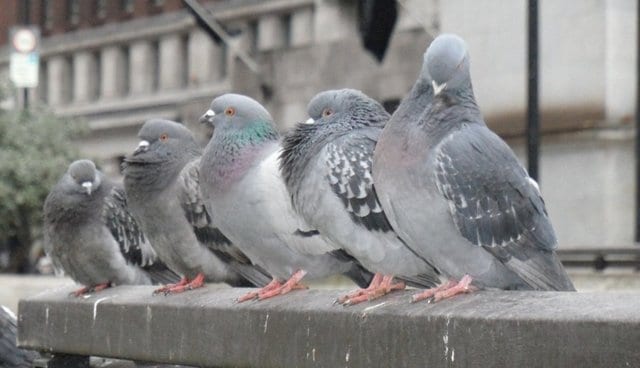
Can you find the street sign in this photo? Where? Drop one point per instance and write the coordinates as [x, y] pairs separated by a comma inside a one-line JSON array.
[[25, 56]]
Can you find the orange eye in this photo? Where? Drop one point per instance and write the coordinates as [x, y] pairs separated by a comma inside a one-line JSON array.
[[230, 111], [164, 137], [327, 112]]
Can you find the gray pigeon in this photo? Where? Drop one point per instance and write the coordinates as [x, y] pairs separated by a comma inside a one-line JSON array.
[[10, 355], [248, 200], [456, 193], [162, 182], [326, 164], [90, 235]]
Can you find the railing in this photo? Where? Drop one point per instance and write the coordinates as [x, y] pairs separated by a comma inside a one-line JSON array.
[[305, 329]]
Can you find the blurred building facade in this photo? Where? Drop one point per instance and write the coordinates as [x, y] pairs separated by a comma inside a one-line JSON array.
[[117, 63]]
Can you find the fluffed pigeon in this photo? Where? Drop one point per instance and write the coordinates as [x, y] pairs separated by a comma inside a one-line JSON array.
[[91, 236], [162, 183], [246, 195], [10, 355], [456, 193], [326, 163]]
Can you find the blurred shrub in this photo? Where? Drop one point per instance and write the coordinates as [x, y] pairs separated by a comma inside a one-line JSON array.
[[35, 149]]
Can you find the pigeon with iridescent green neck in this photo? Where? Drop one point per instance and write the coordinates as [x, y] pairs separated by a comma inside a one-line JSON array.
[[456, 193], [248, 200]]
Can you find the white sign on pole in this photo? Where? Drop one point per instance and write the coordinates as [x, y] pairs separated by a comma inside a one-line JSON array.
[[25, 56]]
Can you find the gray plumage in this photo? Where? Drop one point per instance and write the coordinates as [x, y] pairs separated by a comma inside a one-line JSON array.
[[456, 193], [244, 190], [10, 355], [91, 236], [326, 164], [162, 183]]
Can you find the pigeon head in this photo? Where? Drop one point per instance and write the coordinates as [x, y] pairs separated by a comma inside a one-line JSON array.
[[240, 116], [348, 105], [84, 175], [447, 62], [161, 140]]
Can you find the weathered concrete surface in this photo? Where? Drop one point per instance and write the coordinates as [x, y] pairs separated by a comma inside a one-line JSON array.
[[207, 328]]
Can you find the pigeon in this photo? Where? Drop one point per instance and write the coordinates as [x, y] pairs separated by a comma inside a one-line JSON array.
[[91, 236], [10, 355], [456, 193], [247, 197], [326, 164], [161, 178]]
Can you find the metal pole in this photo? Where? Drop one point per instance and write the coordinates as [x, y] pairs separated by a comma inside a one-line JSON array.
[[533, 117], [637, 235], [25, 21]]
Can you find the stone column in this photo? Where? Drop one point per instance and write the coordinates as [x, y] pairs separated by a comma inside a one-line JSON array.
[[620, 60], [113, 72], [84, 76], [58, 80], [270, 32], [205, 59], [171, 62], [302, 27], [142, 67]]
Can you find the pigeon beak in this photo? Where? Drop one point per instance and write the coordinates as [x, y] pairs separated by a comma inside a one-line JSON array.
[[207, 117], [88, 186], [437, 88], [310, 121], [143, 146]]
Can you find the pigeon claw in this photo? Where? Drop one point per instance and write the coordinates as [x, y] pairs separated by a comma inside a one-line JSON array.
[[252, 295], [445, 291], [292, 284], [181, 287], [379, 287], [166, 289], [90, 289]]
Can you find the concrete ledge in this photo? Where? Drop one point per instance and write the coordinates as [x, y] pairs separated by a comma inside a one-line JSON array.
[[207, 328]]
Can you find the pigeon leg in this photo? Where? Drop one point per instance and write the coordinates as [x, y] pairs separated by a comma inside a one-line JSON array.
[[90, 289], [292, 284], [375, 282], [462, 287], [101, 286], [275, 283], [196, 282], [429, 293], [164, 289], [386, 286], [80, 292]]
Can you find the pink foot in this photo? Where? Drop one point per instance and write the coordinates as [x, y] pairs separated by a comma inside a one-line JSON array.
[[292, 284], [383, 288], [163, 290], [90, 289], [445, 291], [196, 282], [275, 283], [375, 282]]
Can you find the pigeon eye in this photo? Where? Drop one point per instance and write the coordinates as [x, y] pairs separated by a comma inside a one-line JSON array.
[[327, 112], [230, 111], [164, 137]]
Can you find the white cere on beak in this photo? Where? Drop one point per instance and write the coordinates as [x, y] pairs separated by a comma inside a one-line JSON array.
[[437, 88], [209, 114], [88, 186], [143, 144], [310, 121]]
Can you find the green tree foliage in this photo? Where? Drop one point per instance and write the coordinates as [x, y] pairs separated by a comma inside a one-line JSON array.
[[35, 149]]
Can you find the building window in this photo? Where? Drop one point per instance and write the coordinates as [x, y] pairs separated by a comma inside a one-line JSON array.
[[286, 29], [127, 6], [101, 9], [46, 20], [157, 3], [73, 12]]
